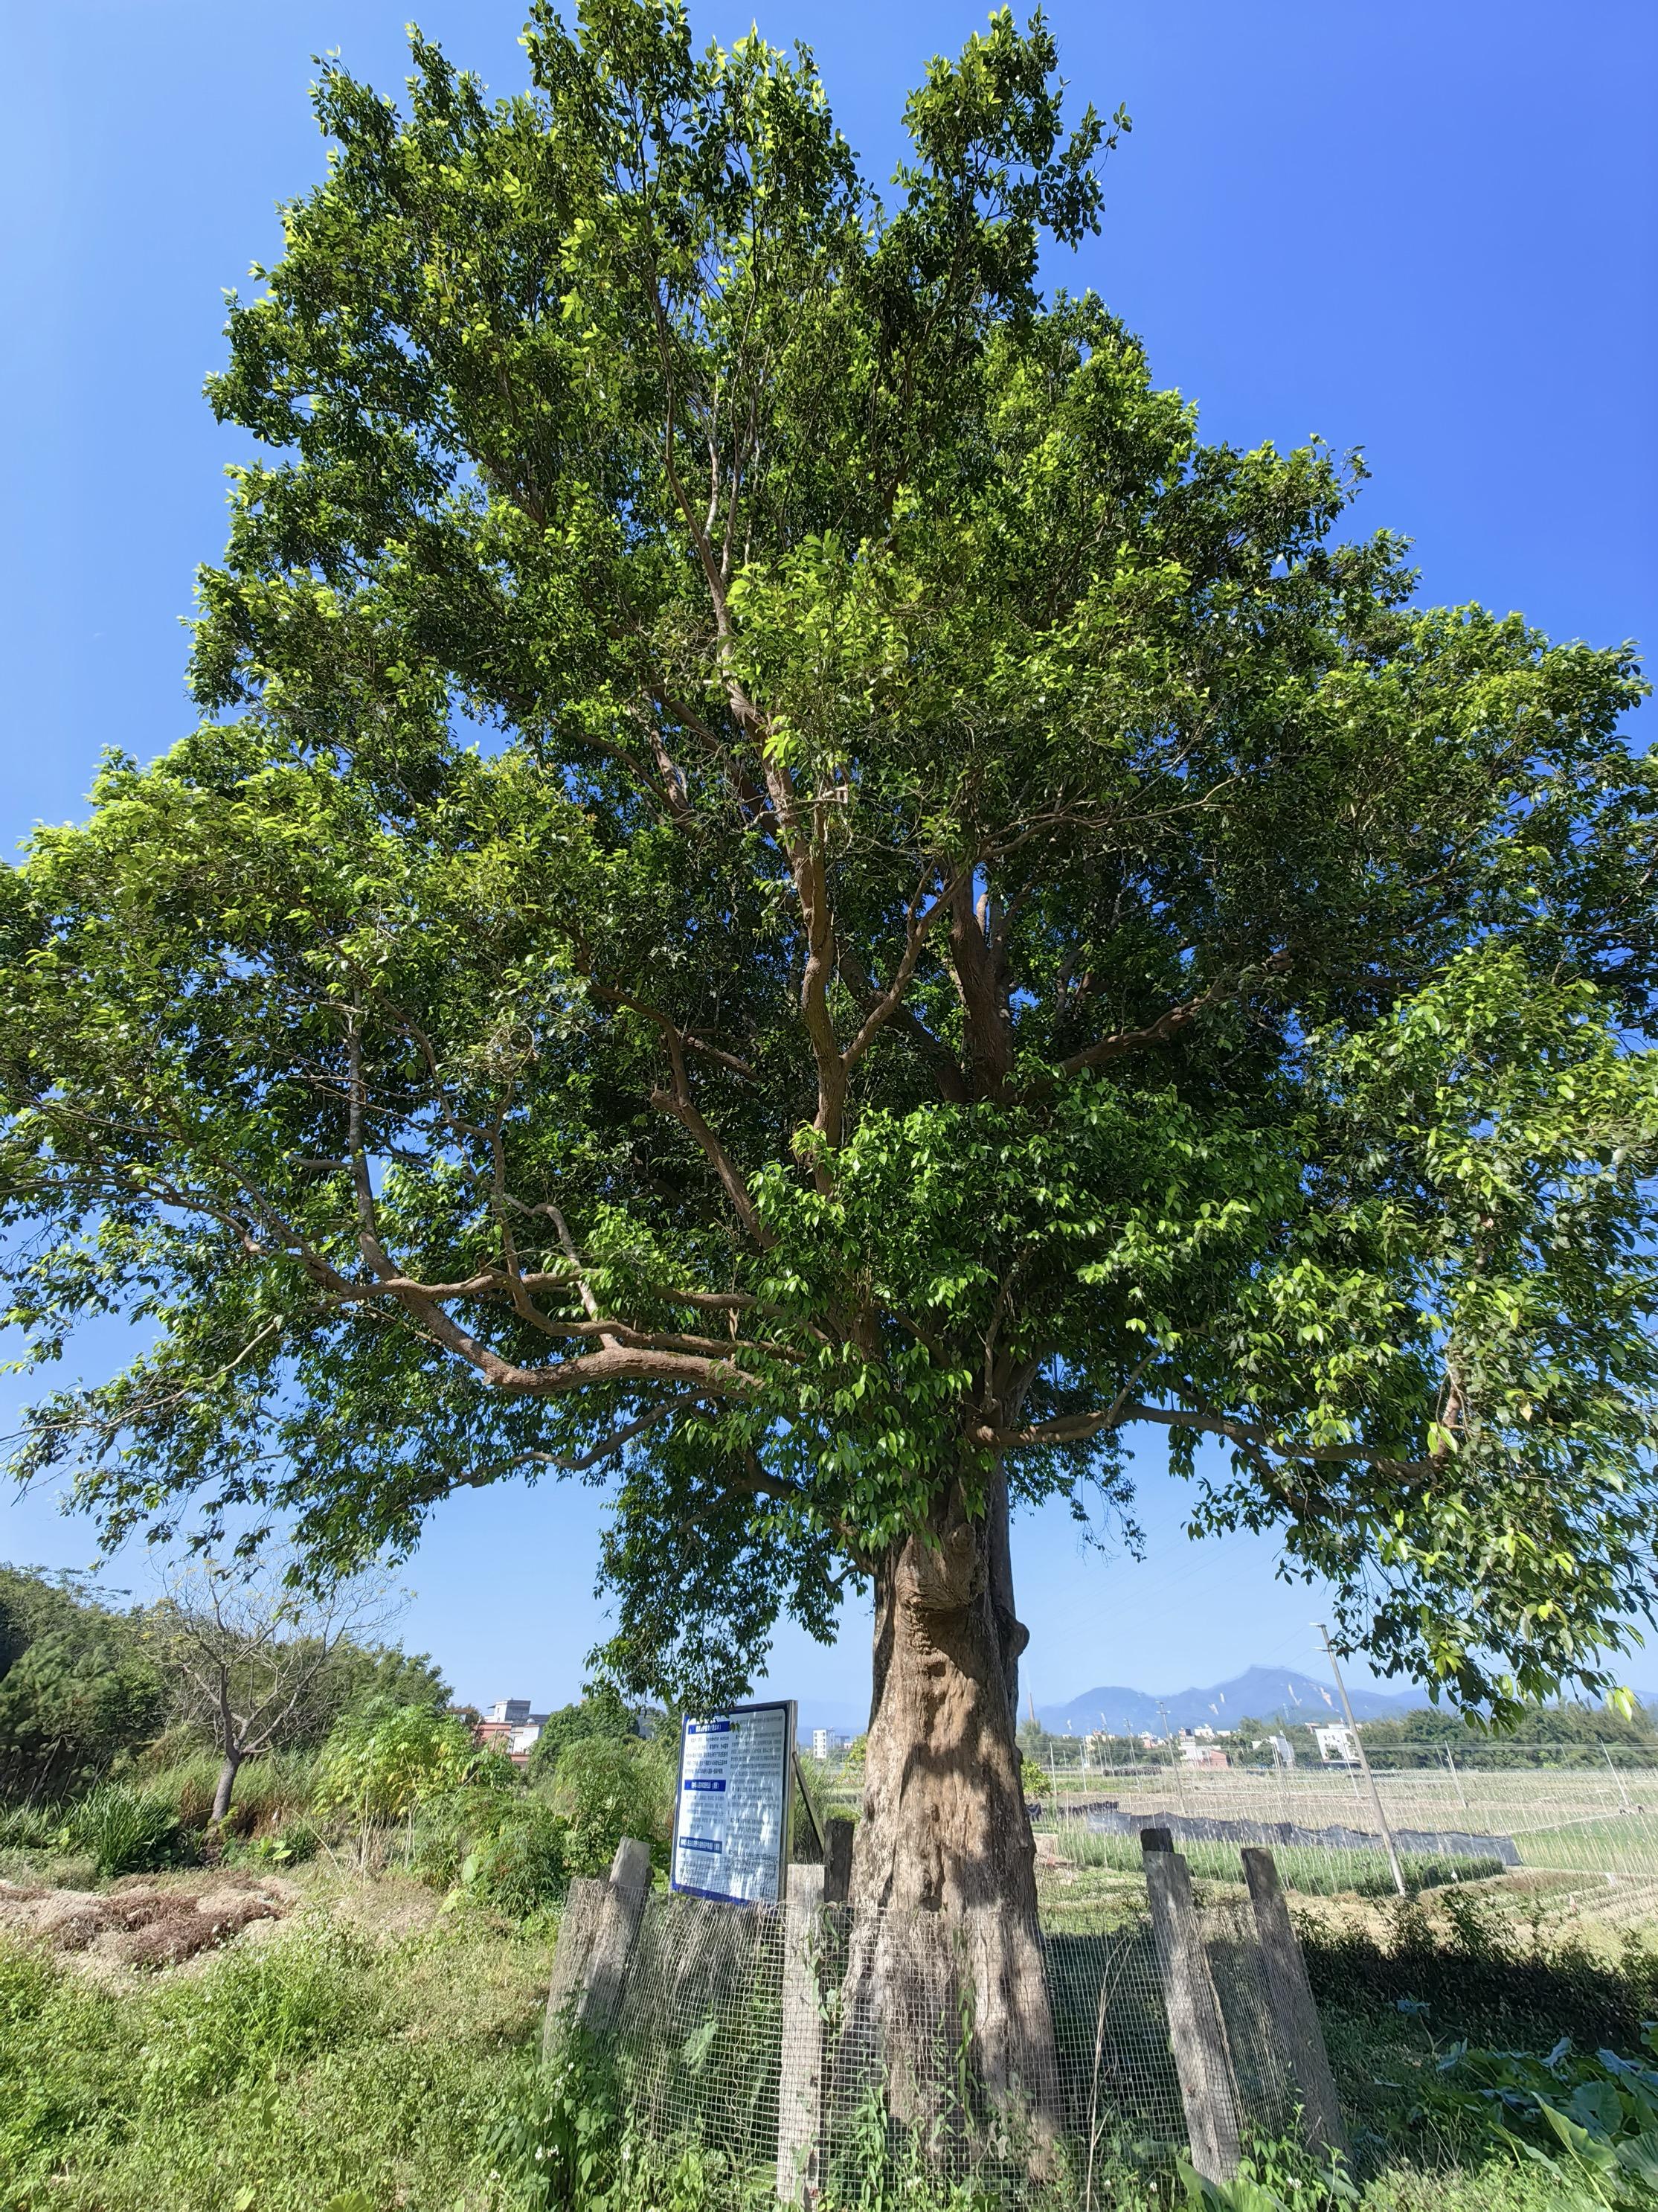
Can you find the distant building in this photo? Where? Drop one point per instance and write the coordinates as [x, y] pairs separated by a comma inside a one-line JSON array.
[[1197, 1748], [510, 1728], [1336, 1746], [828, 1743]]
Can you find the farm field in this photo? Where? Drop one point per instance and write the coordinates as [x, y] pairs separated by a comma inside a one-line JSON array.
[[1601, 1830]]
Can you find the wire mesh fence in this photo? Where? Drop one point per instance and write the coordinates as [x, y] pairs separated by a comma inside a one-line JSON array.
[[756, 2034], [1588, 1841]]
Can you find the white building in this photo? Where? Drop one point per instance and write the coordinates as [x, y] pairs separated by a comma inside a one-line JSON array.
[[1336, 1746], [828, 1743]]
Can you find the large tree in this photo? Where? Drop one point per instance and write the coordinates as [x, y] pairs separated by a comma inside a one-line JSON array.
[[793, 899]]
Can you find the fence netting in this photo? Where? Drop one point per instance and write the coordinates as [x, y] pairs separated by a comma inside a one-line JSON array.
[[1584, 1843], [758, 2034]]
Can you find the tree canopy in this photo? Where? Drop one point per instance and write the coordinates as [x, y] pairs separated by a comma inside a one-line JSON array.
[[793, 897], [76, 1687]]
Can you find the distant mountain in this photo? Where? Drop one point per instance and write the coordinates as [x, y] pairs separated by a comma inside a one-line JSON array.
[[1262, 1692]]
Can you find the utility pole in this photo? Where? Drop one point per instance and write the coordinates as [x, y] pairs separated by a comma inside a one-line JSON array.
[[1358, 1746], [1173, 1755], [1456, 1777], [1616, 1777]]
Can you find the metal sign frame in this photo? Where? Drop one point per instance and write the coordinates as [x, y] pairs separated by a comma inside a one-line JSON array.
[[787, 1707]]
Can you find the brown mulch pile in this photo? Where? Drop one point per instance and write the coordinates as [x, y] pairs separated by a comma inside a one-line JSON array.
[[138, 1924]]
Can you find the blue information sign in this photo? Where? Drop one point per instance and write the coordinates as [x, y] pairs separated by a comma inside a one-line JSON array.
[[731, 1834]]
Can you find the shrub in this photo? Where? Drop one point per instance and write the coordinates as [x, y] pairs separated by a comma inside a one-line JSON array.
[[601, 1712], [523, 1865], [124, 1830], [607, 1789], [559, 2136], [381, 1766]]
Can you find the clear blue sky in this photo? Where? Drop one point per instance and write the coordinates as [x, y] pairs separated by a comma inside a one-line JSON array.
[[1428, 229]]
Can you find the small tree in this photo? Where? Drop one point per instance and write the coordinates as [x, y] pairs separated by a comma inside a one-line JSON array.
[[380, 1764], [600, 1711], [248, 1654]]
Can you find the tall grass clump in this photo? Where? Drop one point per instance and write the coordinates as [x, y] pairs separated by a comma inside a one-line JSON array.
[[126, 1830], [271, 1793], [30, 1827]]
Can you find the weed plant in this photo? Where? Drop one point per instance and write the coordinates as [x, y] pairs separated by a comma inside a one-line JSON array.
[[30, 1828], [1482, 1972], [284, 2075], [126, 1830]]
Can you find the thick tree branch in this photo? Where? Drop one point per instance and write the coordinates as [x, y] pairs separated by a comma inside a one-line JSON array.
[[1167, 1026], [918, 922]]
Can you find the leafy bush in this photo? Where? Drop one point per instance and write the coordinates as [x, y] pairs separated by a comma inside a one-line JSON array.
[[607, 1789], [127, 1831], [600, 1712], [381, 1766], [558, 2139], [291, 1845], [1591, 2122], [523, 1865]]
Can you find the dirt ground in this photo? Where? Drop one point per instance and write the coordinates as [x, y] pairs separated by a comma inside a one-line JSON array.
[[144, 1922]]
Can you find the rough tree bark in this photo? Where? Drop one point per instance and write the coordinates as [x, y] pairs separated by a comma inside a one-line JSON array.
[[228, 1769], [944, 1842]]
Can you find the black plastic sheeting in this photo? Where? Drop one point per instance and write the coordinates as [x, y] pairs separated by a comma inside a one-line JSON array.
[[1195, 1828]]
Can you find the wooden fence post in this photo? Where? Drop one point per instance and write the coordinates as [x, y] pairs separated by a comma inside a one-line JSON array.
[[601, 1920], [801, 2080], [1197, 2032], [837, 1859], [1290, 1993]]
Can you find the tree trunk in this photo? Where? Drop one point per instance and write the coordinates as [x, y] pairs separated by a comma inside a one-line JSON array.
[[945, 1844], [228, 1772]]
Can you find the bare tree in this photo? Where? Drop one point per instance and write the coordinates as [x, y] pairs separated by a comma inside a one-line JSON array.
[[248, 1652]]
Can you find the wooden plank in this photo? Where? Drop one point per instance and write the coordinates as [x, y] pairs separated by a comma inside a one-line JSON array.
[[837, 1861], [578, 1926], [1294, 2015], [801, 2080], [1196, 2033]]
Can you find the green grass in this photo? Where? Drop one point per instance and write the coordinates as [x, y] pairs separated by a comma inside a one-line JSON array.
[[269, 1793], [287, 2072], [373, 2046], [1624, 1844]]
